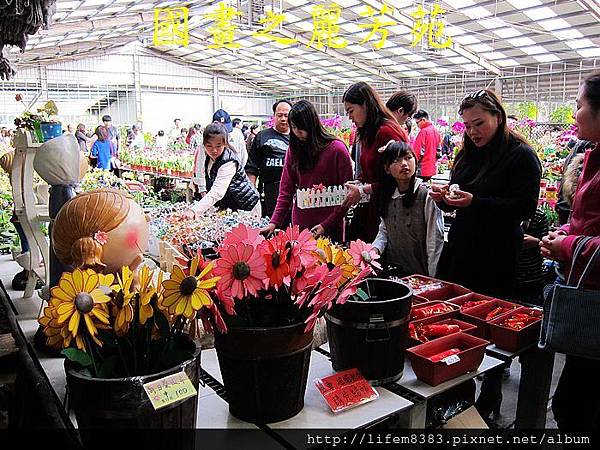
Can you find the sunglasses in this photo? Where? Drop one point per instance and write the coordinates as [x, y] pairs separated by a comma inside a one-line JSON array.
[[479, 94]]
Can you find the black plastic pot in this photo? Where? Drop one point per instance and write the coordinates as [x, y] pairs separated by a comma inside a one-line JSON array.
[[265, 371], [371, 335], [122, 403]]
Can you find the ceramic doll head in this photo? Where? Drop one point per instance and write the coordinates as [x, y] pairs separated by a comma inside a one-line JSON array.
[[60, 162], [103, 229]]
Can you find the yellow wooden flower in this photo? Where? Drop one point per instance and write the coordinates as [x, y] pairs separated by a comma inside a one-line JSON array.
[[335, 256], [77, 295], [121, 307], [187, 294], [148, 290]]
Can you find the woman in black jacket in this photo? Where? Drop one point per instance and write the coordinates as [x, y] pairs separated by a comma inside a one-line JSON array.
[[498, 177]]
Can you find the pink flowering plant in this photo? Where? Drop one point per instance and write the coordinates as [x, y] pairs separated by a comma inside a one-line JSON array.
[[288, 278]]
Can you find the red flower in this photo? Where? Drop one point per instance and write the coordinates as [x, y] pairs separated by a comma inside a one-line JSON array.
[[243, 234], [323, 296], [208, 316], [300, 246], [226, 300], [242, 270], [363, 254], [278, 269]]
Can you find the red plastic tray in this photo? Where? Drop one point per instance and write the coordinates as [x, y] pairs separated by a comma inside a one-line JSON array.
[[412, 279], [446, 293], [417, 300], [514, 340], [433, 373], [465, 327], [472, 296], [453, 313], [477, 315]]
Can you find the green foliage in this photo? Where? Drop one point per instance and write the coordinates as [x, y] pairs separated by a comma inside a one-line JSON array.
[[526, 109], [78, 356], [562, 114]]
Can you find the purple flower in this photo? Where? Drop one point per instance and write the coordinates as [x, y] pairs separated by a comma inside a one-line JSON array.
[[442, 123], [458, 127]]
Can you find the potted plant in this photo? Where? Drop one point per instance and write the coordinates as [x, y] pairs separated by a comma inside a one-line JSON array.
[[44, 123], [117, 334], [272, 292]]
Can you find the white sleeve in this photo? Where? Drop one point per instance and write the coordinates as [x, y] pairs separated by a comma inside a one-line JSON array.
[[218, 189], [198, 178], [434, 220], [381, 239], [239, 146]]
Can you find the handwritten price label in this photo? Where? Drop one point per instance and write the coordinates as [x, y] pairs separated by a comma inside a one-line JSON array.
[[345, 390], [170, 389]]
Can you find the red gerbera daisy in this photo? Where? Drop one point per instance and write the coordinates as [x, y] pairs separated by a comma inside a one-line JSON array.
[[278, 269]]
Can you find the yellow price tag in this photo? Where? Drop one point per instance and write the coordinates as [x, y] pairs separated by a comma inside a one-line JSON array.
[[170, 389]]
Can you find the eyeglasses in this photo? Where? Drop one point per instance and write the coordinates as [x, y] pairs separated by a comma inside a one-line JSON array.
[[478, 94]]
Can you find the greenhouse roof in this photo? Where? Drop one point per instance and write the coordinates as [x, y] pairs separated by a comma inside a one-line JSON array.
[[333, 43]]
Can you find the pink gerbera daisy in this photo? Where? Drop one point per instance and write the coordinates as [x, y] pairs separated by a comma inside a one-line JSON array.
[[242, 270], [243, 234], [351, 287], [300, 246], [364, 255]]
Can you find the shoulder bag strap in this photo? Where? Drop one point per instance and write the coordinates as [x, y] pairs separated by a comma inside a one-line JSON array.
[[588, 268], [576, 253]]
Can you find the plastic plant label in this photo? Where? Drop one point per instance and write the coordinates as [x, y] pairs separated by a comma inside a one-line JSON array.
[[344, 390], [170, 389], [452, 359]]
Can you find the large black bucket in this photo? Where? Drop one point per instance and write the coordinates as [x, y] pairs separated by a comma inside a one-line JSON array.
[[371, 334], [265, 371]]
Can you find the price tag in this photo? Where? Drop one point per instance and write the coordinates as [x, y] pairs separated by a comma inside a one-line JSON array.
[[452, 359], [345, 390], [169, 389]]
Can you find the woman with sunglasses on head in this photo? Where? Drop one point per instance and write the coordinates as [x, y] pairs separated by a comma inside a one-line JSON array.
[[376, 126], [315, 158], [494, 186], [576, 402], [498, 179]]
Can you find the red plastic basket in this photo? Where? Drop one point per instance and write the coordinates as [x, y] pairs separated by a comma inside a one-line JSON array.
[[472, 350], [445, 293], [441, 316], [427, 283], [465, 327], [470, 297], [477, 315], [514, 340], [417, 300]]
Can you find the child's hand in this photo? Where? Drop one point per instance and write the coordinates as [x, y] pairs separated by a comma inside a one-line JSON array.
[[353, 196], [437, 192]]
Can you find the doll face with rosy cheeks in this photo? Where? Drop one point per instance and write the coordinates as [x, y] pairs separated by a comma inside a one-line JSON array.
[[127, 243]]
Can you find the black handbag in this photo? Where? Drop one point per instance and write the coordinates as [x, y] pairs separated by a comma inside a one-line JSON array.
[[572, 314]]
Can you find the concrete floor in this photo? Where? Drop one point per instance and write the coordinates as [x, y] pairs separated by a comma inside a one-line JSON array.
[[29, 309]]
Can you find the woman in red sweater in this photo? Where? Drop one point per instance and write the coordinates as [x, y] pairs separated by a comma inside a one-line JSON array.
[[376, 126], [315, 158], [576, 402]]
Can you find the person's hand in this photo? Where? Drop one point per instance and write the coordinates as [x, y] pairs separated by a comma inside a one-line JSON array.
[[268, 230], [189, 214], [437, 192], [550, 245], [353, 195], [530, 241], [317, 231], [202, 194], [464, 199]]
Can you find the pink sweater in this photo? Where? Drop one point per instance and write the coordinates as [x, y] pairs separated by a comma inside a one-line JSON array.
[[585, 220], [333, 168]]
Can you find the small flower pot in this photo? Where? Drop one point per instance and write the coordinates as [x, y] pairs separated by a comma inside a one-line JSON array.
[[471, 353]]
